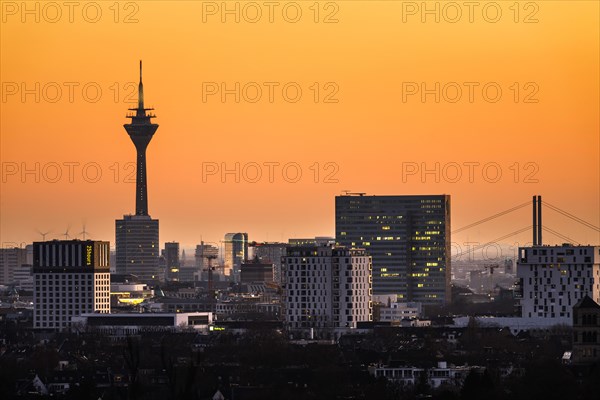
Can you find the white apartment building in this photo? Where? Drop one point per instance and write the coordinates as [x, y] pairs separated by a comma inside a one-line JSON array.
[[326, 287], [123, 324], [71, 277], [443, 374], [555, 278]]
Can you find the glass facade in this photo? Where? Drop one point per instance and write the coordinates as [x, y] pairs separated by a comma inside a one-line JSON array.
[[408, 238], [137, 247]]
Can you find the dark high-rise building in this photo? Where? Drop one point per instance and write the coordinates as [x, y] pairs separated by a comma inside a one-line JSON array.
[[173, 265], [137, 247], [256, 271], [137, 235], [271, 253], [408, 238], [71, 277]]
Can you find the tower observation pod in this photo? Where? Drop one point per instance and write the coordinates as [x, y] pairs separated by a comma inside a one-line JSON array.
[[140, 130]]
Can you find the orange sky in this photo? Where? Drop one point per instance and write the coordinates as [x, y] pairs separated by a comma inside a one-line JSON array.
[[369, 55]]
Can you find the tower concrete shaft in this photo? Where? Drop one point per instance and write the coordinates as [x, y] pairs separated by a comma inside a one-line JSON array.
[[140, 130]]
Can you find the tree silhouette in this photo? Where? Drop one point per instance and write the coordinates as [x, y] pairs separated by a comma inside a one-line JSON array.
[[131, 354], [478, 386]]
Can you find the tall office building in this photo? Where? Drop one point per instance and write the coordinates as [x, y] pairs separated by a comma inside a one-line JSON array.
[[137, 247], [271, 253], [408, 238], [554, 278], [326, 288], [172, 262], [206, 255], [71, 277], [137, 235], [10, 260], [203, 252], [236, 253]]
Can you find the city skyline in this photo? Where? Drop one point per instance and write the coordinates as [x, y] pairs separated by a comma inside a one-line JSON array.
[[461, 242], [553, 141], [345, 200]]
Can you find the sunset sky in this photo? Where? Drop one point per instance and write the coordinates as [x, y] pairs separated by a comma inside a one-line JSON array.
[[366, 127]]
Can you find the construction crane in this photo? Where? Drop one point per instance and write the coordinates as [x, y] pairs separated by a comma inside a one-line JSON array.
[[210, 269]]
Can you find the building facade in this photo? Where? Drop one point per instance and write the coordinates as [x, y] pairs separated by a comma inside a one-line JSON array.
[[172, 262], [236, 253], [442, 374], [316, 241], [256, 271], [586, 331], [125, 324], [554, 278], [23, 277], [137, 249], [408, 238], [326, 287], [71, 277], [10, 260], [396, 312], [203, 252], [271, 253]]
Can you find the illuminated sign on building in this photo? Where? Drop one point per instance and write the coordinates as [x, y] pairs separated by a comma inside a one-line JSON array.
[[216, 328], [88, 254]]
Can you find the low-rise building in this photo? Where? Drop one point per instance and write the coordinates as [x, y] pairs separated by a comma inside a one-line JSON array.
[[129, 293], [442, 374], [225, 309], [397, 312], [171, 305], [586, 332], [133, 323]]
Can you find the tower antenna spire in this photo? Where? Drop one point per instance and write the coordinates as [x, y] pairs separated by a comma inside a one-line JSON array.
[[141, 90], [140, 130]]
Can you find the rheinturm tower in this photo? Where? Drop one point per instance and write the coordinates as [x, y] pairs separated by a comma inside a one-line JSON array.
[[140, 130], [137, 235]]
